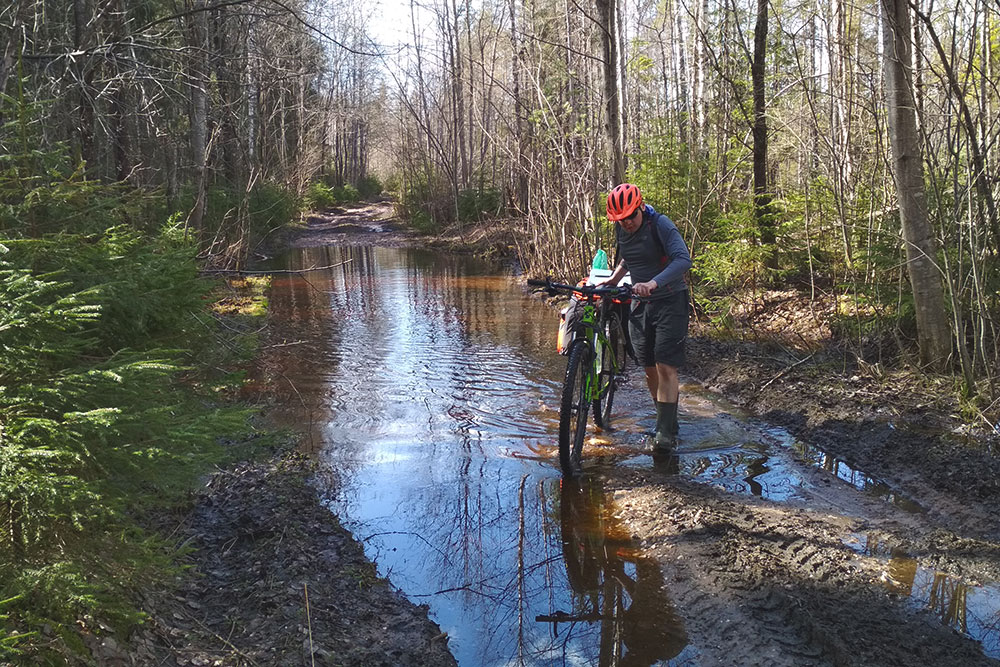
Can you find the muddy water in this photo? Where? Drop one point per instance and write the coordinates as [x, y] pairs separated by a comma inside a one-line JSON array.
[[429, 384]]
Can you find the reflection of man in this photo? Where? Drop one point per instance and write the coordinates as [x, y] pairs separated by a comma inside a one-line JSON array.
[[651, 628], [595, 560]]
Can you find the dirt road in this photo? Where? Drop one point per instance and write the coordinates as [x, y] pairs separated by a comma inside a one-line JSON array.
[[841, 575], [889, 555]]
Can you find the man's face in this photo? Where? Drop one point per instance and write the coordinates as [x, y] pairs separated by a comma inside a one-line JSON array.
[[632, 223]]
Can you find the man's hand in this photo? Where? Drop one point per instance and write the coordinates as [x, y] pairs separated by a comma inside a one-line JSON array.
[[644, 289]]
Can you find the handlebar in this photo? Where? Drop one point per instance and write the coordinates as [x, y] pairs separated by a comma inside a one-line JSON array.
[[621, 291]]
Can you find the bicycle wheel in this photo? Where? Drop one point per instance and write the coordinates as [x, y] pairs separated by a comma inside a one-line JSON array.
[[610, 369], [574, 408]]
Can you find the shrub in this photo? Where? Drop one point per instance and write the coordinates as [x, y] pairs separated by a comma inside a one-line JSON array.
[[369, 187], [271, 206], [475, 205], [94, 422], [318, 196], [427, 205], [345, 194]]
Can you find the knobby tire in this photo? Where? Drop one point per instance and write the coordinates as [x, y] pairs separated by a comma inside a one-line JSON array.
[[574, 408]]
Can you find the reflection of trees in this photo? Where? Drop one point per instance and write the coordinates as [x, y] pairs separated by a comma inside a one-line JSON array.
[[613, 585], [418, 367], [945, 595]]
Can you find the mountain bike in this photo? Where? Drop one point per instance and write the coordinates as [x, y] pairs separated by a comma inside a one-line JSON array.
[[596, 365], [618, 594]]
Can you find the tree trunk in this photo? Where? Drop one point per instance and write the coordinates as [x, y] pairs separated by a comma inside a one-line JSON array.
[[119, 99], [520, 180], [84, 74], [198, 82], [608, 16], [761, 192], [921, 249]]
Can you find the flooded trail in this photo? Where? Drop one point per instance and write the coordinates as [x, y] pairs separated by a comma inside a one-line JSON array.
[[427, 385]]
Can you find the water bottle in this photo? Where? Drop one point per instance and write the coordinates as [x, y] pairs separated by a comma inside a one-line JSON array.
[[600, 261]]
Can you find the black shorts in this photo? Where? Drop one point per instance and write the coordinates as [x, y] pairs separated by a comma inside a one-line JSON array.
[[659, 329]]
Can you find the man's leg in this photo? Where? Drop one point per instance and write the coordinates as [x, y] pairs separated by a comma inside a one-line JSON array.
[[671, 332], [653, 381], [666, 399], [667, 385], [667, 389]]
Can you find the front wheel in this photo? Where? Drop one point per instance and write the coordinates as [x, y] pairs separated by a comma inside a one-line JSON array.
[[574, 408], [610, 369]]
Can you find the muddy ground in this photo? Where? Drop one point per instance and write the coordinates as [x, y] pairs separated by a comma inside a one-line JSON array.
[[809, 582], [274, 579], [828, 579]]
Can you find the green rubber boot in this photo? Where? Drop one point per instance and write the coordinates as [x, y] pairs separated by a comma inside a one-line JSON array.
[[672, 418], [666, 426]]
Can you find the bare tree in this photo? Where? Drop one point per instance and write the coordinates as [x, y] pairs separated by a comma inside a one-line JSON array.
[[921, 249]]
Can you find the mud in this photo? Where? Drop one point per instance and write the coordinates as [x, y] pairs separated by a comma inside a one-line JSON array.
[[274, 579], [829, 579], [820, 580], [765, 584], [372, 223]]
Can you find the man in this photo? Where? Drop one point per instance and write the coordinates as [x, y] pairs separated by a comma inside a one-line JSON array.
[[651, 247]]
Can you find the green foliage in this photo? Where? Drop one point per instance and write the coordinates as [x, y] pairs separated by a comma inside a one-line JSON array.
[[346, 194], [103, 408], [270, 206], [666, 176], [318, 197], [144, 287], [369, 187], [267, 207], [474, 205], [427, 204]]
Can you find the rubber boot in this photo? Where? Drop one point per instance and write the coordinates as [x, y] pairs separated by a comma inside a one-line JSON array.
[[672, 418], [659, 409], [666, 422]]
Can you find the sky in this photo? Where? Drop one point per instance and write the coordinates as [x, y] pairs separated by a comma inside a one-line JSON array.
[[390, 24]]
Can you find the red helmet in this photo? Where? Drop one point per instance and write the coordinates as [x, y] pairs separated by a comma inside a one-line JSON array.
[[622, 201]]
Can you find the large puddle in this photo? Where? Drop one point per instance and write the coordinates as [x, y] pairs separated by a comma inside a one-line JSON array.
[[430, 384]]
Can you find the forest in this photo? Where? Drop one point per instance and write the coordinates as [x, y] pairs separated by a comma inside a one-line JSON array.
[[844, 150]]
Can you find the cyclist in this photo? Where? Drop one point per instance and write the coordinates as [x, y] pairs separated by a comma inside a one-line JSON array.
[[651, 248]]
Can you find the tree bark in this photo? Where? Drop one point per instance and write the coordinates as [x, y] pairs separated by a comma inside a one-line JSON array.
[[520, 179], [84, 74], [608, 16], [763, 214], [198, 82], [921, 249]]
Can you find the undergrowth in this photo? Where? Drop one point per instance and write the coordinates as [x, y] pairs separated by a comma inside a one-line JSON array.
[[116, 387]]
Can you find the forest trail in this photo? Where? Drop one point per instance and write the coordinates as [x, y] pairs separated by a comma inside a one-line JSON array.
[[879, 555], [373, 223]]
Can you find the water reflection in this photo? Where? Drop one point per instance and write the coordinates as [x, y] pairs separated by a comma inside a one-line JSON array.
[[426, 381], [972, 610], [615, 588], [429, 384]]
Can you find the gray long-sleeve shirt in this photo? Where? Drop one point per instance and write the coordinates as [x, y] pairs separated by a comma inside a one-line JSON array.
[[659, 255]]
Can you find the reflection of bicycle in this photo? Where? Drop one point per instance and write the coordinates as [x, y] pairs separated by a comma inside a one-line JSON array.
[[614, 585], [595, 367]]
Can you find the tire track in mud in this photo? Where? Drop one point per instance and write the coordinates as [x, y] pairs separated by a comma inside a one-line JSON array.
[[758, 583]]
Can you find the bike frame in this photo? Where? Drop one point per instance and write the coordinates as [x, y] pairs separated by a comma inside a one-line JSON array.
[[592, 362], [592, 331]]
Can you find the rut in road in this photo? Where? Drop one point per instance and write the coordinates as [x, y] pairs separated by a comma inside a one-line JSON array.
[[769, 584]]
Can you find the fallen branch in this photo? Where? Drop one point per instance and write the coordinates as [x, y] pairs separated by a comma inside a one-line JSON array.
[[241, 272], [782, 373]]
